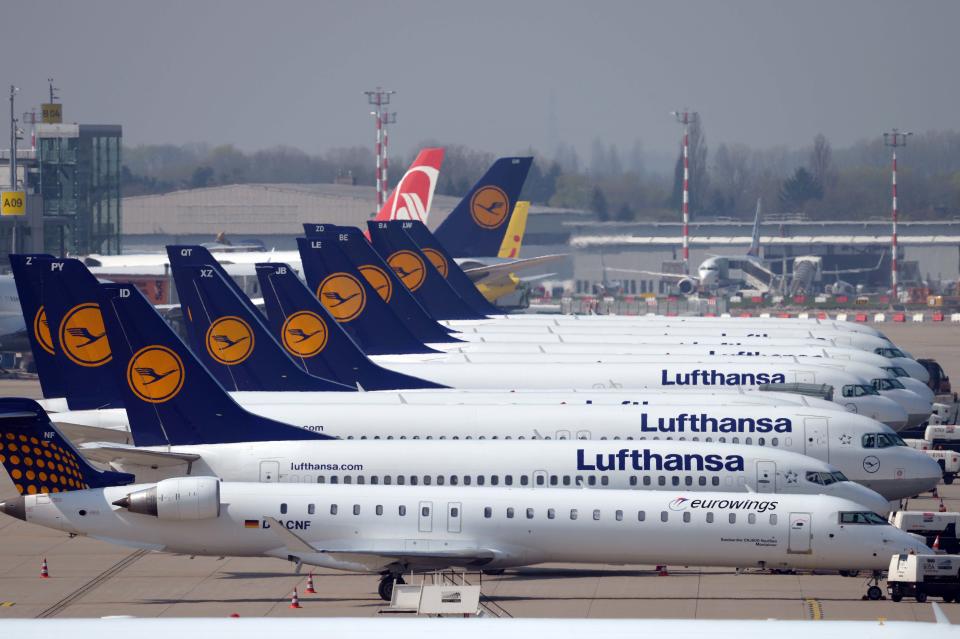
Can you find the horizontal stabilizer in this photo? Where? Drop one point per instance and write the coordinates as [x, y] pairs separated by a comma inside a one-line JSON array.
[[106, 453]]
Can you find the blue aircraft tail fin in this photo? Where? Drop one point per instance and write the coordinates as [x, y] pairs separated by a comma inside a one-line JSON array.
[[229, 334], [71, 302], [368, 317], [476, 227], [28, 277], [39, 459], [316, 340], [418, 272], [449, 269], [171, 399]]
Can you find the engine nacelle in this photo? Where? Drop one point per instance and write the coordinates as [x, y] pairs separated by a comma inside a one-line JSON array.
[[178, 499], [687, 286]]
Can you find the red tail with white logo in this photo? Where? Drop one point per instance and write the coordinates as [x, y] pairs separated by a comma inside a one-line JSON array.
[[413, 195]]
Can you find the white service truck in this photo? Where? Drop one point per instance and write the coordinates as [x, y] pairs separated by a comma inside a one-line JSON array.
[[949, 460], [918, 576], [930, 525]]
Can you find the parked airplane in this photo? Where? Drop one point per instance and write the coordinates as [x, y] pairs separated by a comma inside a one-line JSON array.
[[370, 528], [482, 628], [412, 198]]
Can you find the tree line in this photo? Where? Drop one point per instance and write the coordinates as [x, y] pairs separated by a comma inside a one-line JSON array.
[[816, 182]]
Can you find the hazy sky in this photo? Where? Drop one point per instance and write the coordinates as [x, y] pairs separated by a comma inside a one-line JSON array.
[[488, 73]]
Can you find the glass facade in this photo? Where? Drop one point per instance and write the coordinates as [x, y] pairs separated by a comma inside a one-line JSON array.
[[80, 184]]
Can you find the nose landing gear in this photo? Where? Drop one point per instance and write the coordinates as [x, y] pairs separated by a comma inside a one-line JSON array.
[[874, 592]]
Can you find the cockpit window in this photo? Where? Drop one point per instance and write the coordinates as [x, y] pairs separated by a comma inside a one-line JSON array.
[[882, 440], [887, 383], [889, 352], [858, 390], [870, 518], [825, 479], [896, 371]]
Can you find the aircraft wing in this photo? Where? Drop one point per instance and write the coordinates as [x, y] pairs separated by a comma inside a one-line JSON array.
[[478, 273], [862, 269], [375, 555], [107, 453], [673, 277]]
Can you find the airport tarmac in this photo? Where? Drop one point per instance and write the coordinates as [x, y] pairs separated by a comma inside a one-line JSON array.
[[92, 579]]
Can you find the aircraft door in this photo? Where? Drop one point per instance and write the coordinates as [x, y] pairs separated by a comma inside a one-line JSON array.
[[269, 471], [426, 516], [817, 437], [539, 479], [766, 476], [454, 510], [801, 532]]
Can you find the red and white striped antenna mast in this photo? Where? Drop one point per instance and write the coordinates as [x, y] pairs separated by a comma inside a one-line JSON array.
[[686, 118], [894, 138], [379, 98], [386, 118]]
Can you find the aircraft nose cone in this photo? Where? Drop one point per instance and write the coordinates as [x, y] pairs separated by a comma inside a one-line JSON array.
[[14, 508]]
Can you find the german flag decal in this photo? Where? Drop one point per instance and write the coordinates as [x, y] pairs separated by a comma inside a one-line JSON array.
[[251, 523]]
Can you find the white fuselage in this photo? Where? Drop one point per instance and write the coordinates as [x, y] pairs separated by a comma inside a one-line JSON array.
[[841, 439], [365, 528]]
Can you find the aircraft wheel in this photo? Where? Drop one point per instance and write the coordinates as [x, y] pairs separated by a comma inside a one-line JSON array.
[[896, 593], [921, 597], [874, 593], [385, 589]]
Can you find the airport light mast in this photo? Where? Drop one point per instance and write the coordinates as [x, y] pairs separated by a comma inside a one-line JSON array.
[[386, 118], [379, 98], [894, 138], [14, 136], [686, 118]]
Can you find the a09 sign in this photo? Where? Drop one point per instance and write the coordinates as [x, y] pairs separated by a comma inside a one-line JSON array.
[[13, 203]]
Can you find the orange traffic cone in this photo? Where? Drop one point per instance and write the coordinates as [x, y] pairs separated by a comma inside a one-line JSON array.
[[295, 600], [309, 590], [44, 573], [942, 508], [662, 570], [936, 543]]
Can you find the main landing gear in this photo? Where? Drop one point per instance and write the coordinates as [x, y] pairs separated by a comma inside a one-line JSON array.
[[387, 581]]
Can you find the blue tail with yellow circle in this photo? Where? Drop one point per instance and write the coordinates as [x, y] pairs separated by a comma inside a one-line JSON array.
[[39, 459]]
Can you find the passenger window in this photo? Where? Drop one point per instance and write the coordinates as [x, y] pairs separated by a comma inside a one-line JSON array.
[[596, 515], [675, 480], [283, 509], [688, 480], [633, 480], [403, 511], [347, 479], [733, 518], [553, 480], [439, 480], [374, 479], [641, 515], [686, 517], [702, 480], [592, 480], [333, 509], [453, 480], [510, 513], [709, 518], [573, 513], [334, 479], [605, 480], [379, 510], [481, 480], [619, 515], [311, 509], [321, 479], [664, 515], [454, 512], [716, 481], [466, 480], [524, 480], [773, 519], [646, 480], [508, 480], [425, 511], [566, 480], [413, 480], [529, 513], [387, 479], [487, 512], [551, 513], [540, 480], [751, 518], [426, 480], [775, 441], [494, 480], [662, 480], [356, 509]]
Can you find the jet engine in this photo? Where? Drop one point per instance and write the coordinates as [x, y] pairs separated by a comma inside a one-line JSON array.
[[687, 286], [178, 499]]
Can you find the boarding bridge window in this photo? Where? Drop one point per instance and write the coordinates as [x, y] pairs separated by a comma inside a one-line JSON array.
[[619, 515], [311, 509], [487, 512], [402, 510], [709, 518], [283, 509], [865, 517], [379, 510], [551, 513], [686, 517], [529, 513], [356, 509], [510, 513], [641, 515], [732, 518], [773, 519], [664, 515], [333, 509], [573, 514]]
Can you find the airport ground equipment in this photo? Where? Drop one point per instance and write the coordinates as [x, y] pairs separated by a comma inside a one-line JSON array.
[[930, 525], [948, 460], [919, 576]]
